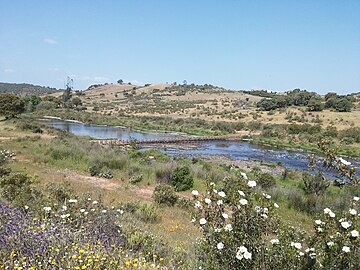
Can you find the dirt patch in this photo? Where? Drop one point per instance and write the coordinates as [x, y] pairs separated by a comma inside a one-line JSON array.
[[145, 193], [91, 180]]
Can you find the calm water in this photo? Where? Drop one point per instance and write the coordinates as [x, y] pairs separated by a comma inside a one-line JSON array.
[[233, 150]]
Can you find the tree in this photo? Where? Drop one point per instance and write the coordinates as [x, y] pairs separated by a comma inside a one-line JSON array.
[[343, 105], [11, 105], [267, 104], [76, 101], [120, 81], [315, 105], [31, 102]]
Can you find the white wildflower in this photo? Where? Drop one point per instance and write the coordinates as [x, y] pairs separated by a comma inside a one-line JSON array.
[[82, 210], [220, 246], [275, 241], [212, 184], [327, 210], [356, 198], [267, 196], [345, 224], [225, 215], [319, 229], [264, 215], [346, 249], [72, 201], [47, 209], [198, 205], [243, 249], [301, 253], [95, 202], [354, 233], [207, 200], [353, 212], [331, 243], [243, 202], [318, 222], [193, 220], [276, 205], [241, 193], [26, 207], [219, 202], [296, 245], [228, 227], [222, 194], [251, 184], [244, 175], [332, 214], [202, 221], [247, 255], [104, 211], [195, 192], [217, 230]]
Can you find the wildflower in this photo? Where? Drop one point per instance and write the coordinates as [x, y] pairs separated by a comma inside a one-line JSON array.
[[120, 211], [215, 191], [219, 202], [241, 193], [207, 200], [275, 241], [193, 220], [198, 205], [327, 210], [258, 209], [346, 249], [104, 211], [72, 201], [276, 205], [247, 255], [312, 256], [309, 249], [296, 245], [82, 210], [318, 222], [244, 175], [228, 227], [331, 243], [243, 202], [225, 215], [65, 216], [212, 184], [251, 184], [202, 221], [264, 215], [331, 214], [222, 194], [354, 233], [345, 224], [352, 212], [320, 229], [301, 253], [267, 196], [95, 202], [356, 198], [343, 161], [217, 230], [26, 207], [220, 246], [64, 207], [47, 209], [195, 192], [243, 249]]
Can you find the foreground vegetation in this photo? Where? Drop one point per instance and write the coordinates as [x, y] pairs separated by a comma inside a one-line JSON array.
[[242, 220]]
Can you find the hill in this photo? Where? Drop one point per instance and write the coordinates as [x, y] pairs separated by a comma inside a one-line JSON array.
[[25, 89]]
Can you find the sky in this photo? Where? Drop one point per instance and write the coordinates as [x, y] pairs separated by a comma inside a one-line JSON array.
[[237, 44]]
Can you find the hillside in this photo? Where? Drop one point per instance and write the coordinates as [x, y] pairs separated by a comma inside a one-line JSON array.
[[25, 89], [204, 102]]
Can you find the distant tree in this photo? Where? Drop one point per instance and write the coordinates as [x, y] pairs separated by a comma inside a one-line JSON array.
[[67, 92], [343, 105], [31, 102], [184, 82], [315, 105], [267, 104], [11, 105], [120, 81], [55, 100], [46, 105], [76, 101]]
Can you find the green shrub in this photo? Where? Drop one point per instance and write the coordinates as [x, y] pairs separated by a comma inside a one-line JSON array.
[[136, 179], [266, 180], [314, 184], [165, 194], [182, 179], [147, 213]]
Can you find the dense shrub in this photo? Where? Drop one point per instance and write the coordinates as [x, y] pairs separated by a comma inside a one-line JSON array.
[[265, 180], [314, 184], [165, 194], [182, 179]]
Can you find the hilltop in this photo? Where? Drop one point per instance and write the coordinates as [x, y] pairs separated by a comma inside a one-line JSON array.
[[26, 89]]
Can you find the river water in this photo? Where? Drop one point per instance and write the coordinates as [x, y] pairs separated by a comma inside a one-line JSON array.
[[240, 150]]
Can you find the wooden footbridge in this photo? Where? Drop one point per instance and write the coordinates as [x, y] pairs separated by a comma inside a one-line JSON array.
[[170, 140]]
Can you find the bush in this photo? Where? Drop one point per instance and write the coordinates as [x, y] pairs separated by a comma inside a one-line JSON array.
[[165, 194], [136, 179], [182, 179], [265, 180], [147, 213], [314, 184]]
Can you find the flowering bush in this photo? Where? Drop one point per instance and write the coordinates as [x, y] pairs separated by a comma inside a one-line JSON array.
[[241, 230]]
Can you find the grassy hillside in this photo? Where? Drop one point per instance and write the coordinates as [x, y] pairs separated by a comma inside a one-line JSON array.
[[25, 89]]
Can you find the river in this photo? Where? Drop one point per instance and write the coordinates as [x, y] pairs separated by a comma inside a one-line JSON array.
[[233, 150]]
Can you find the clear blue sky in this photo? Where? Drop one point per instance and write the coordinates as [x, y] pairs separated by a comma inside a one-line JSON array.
[[237, 44]]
